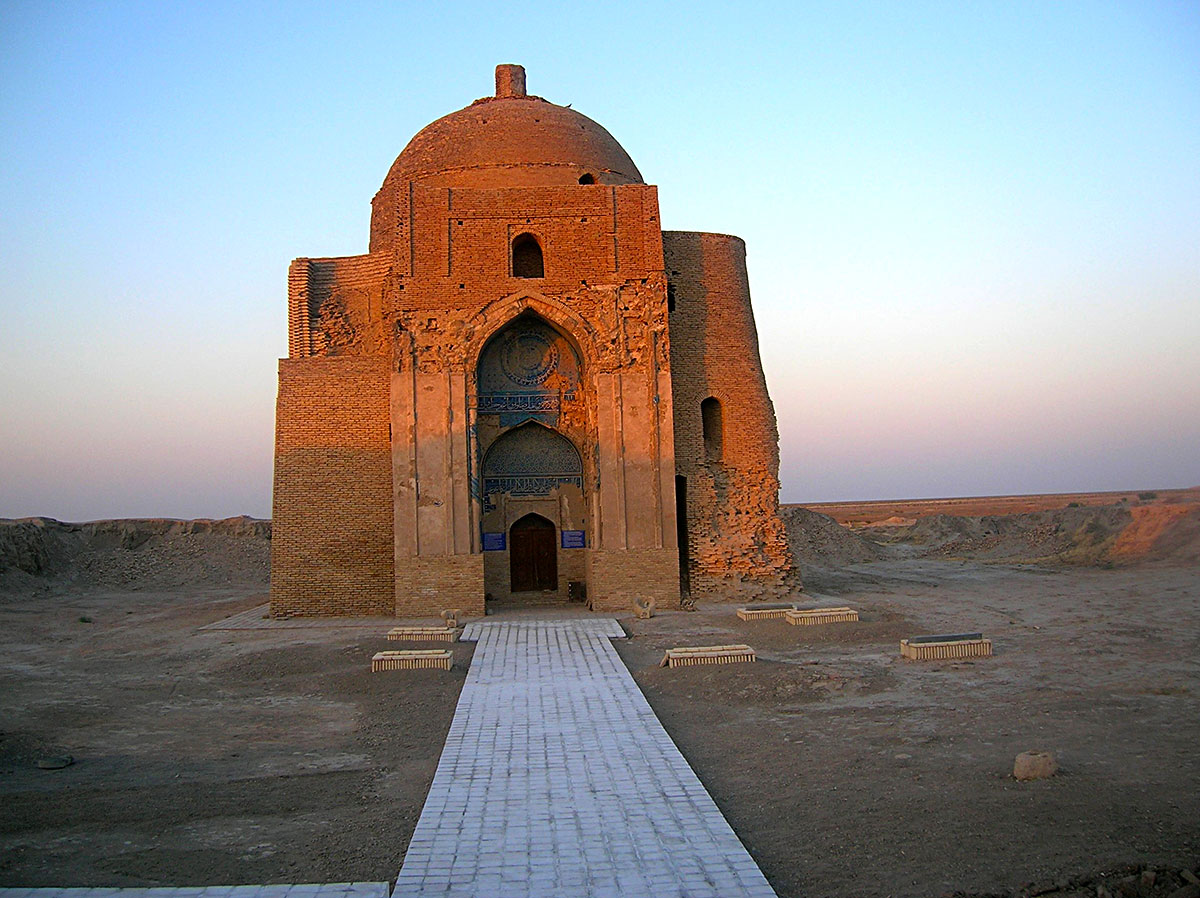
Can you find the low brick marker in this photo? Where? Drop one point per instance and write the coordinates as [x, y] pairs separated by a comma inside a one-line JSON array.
[[688, 656], [434, 634], [412, 659], [765, 610], [946, 645], [808, 617]]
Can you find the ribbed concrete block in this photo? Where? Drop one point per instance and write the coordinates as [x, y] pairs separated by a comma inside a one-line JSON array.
[[765, 611], [440, 659], [432, 634], [688, 656], [937, 648], [808, 617]]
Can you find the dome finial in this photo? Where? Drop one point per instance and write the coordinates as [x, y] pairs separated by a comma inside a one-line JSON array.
[[510, 80]]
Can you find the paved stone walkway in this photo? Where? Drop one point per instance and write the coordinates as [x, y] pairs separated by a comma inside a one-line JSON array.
[[558, 780]]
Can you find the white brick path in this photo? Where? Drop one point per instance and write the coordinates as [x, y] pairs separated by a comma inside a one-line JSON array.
[[558, 780]]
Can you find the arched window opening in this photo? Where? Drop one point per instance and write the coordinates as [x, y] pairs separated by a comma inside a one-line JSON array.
[[527, 257], [587, 179], [714, 437], [670, 297]]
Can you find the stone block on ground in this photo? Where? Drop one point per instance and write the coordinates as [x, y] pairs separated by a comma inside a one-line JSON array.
[[765, 610], [1034, 765], [434, 634]]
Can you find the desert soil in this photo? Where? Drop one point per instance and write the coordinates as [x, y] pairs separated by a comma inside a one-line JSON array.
[[273, 755]]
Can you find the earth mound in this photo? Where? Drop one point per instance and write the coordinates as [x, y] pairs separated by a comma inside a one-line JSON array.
[[819, 539], [1092, 535], [42, 553]]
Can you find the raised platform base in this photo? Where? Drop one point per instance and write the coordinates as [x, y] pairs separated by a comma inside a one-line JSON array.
[[434, 634], [707, 654], [440, 659], [808, 617], [946, 645]]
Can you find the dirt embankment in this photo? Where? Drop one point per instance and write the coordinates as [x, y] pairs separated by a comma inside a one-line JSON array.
[[39, 554], [1103, 535], [818, 539], [1099, 535], [906, 511]]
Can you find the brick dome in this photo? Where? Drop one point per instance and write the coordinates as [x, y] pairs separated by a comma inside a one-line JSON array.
[[512, 140]]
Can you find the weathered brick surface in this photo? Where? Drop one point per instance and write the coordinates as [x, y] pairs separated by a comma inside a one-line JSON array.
[[426, 586], [498, 143], [380, 438], [331, 546], [735, 533], [616, 578]]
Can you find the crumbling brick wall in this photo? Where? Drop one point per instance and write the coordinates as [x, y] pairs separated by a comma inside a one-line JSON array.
[[736, 537]]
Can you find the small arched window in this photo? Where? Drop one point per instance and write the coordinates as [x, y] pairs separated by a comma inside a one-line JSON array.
[[527, 257], [587, 179], [714, 437]]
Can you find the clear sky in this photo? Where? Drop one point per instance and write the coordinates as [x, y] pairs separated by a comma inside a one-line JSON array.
[[973, 228]]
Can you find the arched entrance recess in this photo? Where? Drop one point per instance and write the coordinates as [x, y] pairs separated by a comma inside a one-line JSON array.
[[531, 464], [531, 418], [533, 555]]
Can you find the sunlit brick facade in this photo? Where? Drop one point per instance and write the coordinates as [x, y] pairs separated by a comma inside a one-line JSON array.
[[525, 391]]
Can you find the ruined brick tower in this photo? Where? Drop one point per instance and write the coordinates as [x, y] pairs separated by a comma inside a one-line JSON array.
[[524, 390]]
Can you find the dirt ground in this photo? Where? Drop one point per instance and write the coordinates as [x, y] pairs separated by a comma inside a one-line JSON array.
[[259, 755], [848, 772], [206, 757]]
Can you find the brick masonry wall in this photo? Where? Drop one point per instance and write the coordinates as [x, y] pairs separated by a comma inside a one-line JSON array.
[[331, 546], [737, 541], [428, 585], [335, 306], [498, 143], [615, 578]]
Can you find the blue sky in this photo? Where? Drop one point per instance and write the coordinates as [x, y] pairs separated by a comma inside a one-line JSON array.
[[973, 229]]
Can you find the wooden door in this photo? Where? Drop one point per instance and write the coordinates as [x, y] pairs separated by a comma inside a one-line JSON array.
[[533, 555]]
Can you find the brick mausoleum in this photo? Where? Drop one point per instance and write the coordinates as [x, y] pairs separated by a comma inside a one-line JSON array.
[[525, 390]]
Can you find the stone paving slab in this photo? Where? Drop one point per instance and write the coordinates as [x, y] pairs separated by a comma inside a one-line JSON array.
[[558, 779], [309, 890]]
